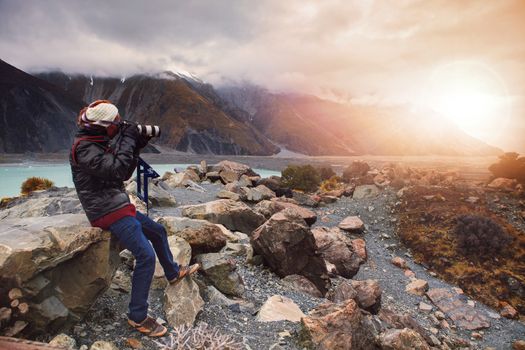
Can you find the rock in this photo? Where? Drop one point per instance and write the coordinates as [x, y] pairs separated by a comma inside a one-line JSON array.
[[103, 345], [61, 265], [182, 302], [215, 297], [425, 307], [327, 199], [365, 191], [399, 262], [232, 171], [351, 224], [357, 169], [180, 180], [202, 236], [157, 194], [134, 343], [55, 201], [236, 216], [121, 282], [221, 272], [366, 293], [336, 326], [237, 249], [398, 321], [380, 180], [417, 287], [181, 251], [274, 183], [288, 247], [224, 194], [268, 208], [138, 203], [359, 247], [503, 184], [279, 308], [305, 199], [518, 345], [213, 176], [337, 249], [5, 316], [257, 194], [455, 306], [301, 284], [63, 341], [402, 339], [508, 311]]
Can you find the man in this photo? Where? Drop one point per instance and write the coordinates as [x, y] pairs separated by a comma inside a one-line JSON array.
[[105, 154]]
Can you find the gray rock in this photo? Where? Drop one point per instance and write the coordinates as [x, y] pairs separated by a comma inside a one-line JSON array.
[[221, 272], [182, 302], [365, 191]]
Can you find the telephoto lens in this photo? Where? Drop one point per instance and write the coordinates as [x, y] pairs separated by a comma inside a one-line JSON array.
[[149, 130]]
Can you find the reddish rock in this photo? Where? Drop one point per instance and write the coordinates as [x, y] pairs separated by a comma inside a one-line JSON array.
[[518, 345], [508, 311], [336, 326], [301, 284], [338, 250], [399, 262], [366, 293], [270, 207], [503, 184], [409, 273], [288, 246], [359, 246], [398, 321], [352, 224], [417, 287], [455, 306], [402, 339]]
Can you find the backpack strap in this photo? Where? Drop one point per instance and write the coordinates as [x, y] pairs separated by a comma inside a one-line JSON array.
[[85, 138]]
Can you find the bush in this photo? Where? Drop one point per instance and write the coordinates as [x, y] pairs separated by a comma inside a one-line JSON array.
[[479, 236], [325, 172], [333, 183], [35, 184], [202, 336], [511, 166], [356, 169], [301, 177]]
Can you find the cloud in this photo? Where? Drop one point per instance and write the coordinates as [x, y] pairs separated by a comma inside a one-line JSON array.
[[360, 50]]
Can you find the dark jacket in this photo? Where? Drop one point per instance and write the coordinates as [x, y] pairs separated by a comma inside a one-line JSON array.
[[100, 166]]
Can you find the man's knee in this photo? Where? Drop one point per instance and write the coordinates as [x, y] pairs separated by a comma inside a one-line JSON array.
[[146, 256]]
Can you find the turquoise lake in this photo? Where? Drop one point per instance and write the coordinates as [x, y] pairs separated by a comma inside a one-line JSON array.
[[11, 177]]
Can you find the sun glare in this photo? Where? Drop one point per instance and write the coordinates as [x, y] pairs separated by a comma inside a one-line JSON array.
[[471, 95]]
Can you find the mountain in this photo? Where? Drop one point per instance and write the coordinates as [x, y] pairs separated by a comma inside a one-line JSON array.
[[35, 115], [310, 125], [188, 111]]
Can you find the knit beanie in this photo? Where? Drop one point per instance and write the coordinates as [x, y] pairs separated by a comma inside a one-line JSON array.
[[100, 113]]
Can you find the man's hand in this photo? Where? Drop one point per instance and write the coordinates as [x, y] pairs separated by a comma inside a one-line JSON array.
[[131, 130]]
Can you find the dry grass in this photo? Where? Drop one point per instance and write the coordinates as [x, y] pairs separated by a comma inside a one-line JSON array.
[[427, 225], [35, 184], [200, 337]]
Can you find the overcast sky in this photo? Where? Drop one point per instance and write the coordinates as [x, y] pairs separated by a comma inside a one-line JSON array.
[[372, 52]]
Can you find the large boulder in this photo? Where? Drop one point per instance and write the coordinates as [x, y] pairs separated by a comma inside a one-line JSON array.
[[236, 216], [336, 326], [59, 264], [182, 302], [183, 179], [274, 183], [256, 194], [503, 184], [203, 236], [54, 201], [288, 246], [338, 250], [220, 270], [181, 251], [366, 293], [268, 208]]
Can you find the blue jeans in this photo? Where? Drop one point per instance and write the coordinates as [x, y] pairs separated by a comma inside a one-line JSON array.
[[135, 233]]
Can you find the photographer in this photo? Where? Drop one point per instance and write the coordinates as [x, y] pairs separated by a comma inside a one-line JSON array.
[[105, 154]]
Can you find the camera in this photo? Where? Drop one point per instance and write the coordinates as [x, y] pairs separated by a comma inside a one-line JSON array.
[[145, 130]]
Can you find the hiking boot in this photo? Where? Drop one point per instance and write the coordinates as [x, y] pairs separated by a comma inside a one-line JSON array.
[[185, 271], [149, 327]]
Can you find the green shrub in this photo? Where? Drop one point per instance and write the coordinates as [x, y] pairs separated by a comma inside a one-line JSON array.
[[325, 172], [301, 177], [35, 184], [357, 169], [511, 166], [480, 237]]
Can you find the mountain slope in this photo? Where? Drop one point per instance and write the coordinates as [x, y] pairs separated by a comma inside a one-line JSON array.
[[35, 116], [310, 125], [190, 121]]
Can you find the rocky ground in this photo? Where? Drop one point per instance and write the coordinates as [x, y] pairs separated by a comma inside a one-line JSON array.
[[239, 316]]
